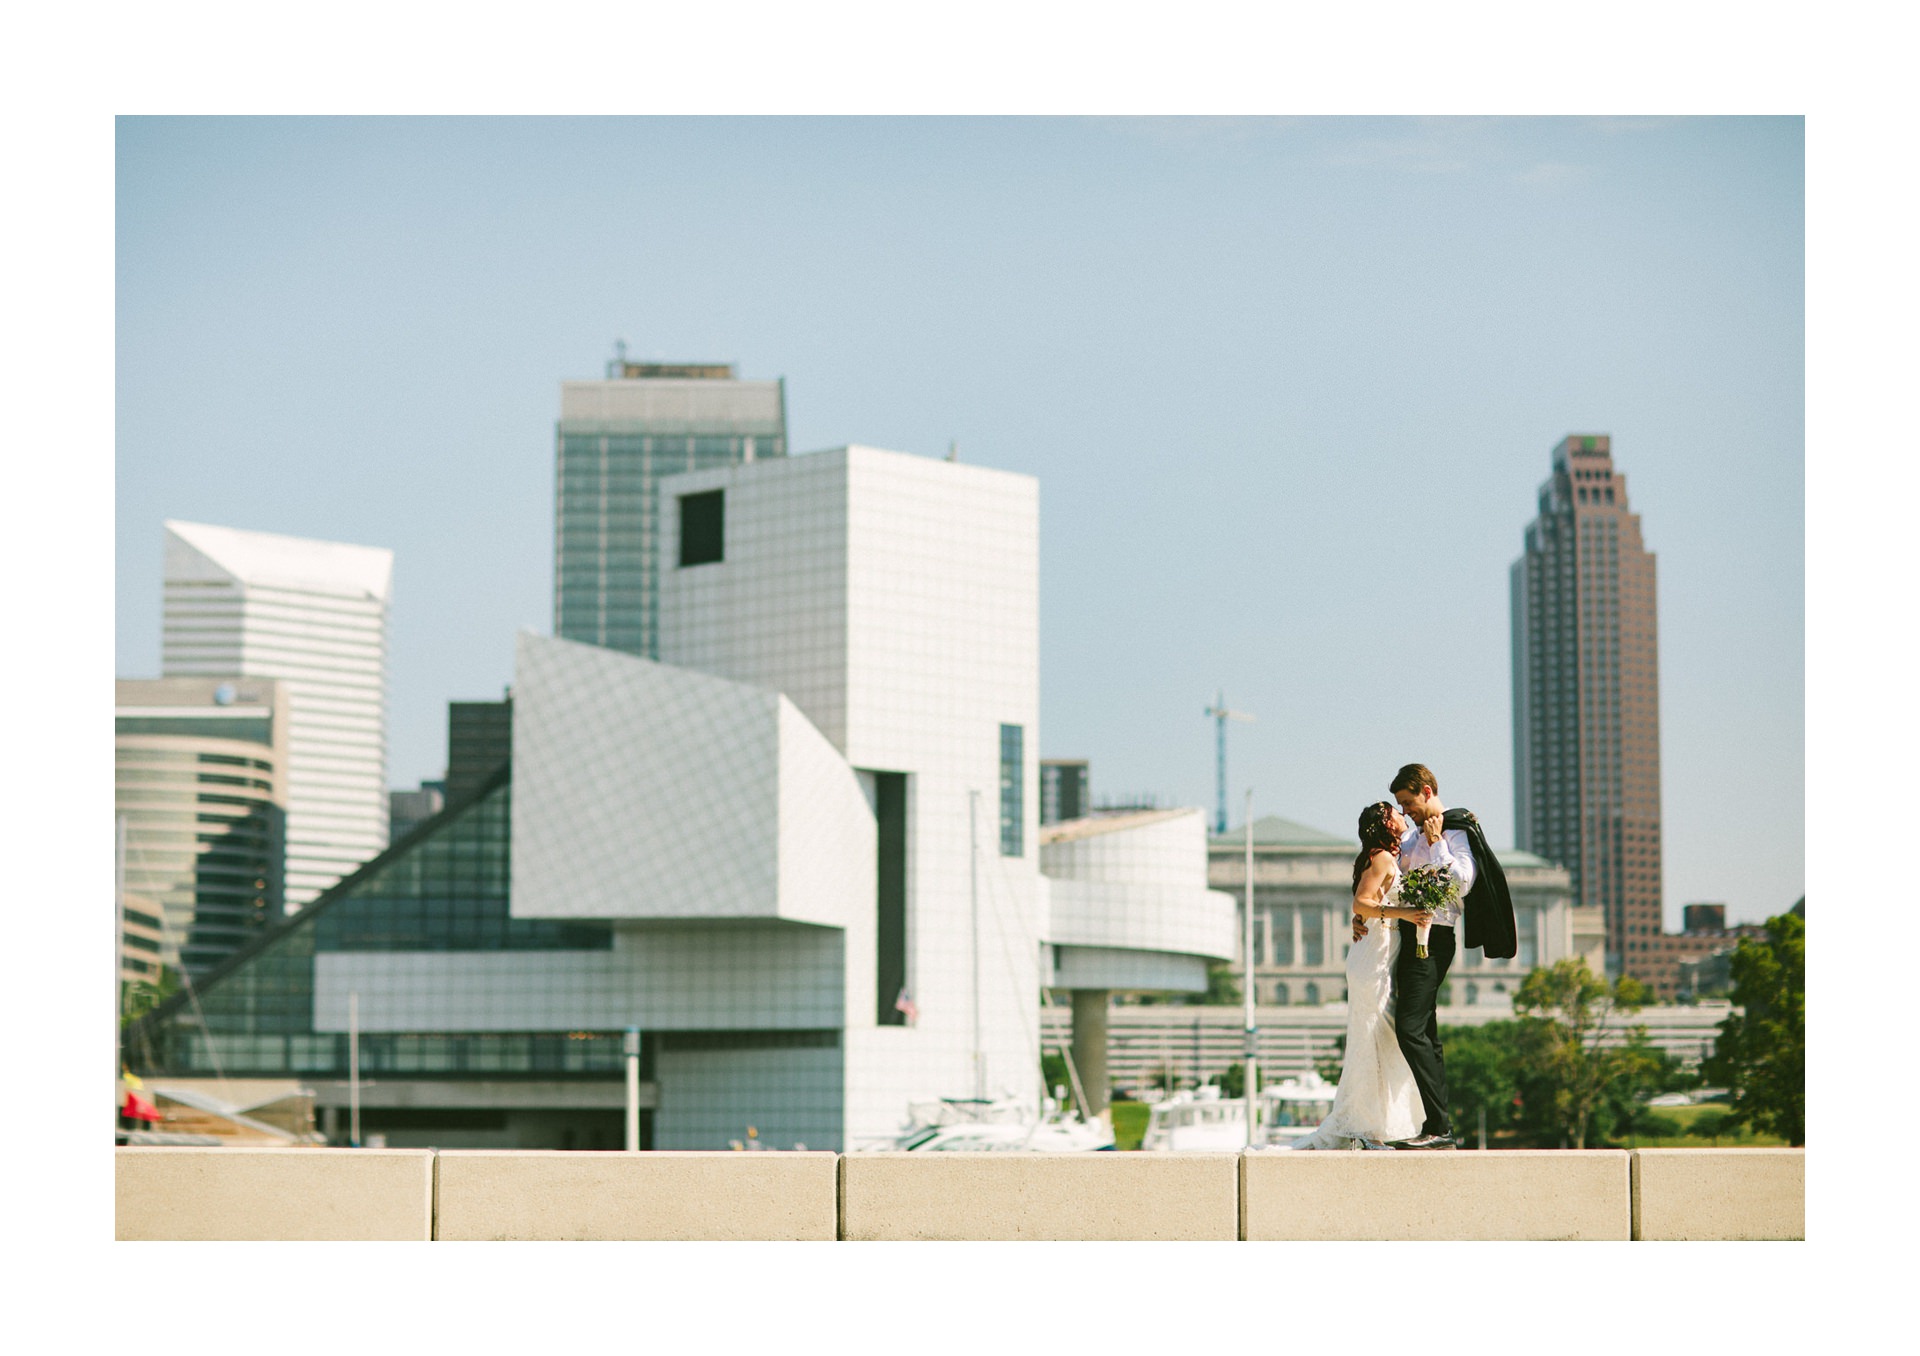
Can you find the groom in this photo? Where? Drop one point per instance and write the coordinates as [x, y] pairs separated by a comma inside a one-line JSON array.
[[1453, 838]]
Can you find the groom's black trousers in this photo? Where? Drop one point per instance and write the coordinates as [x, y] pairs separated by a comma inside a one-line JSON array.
[[1416, 985]]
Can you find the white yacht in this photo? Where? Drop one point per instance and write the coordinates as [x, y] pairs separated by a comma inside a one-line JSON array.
[[962, 1124], [1201, 1119], [1294, 1107]]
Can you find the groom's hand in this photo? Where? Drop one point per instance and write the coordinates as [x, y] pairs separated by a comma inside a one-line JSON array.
[[1359, 927], [1430, 828]]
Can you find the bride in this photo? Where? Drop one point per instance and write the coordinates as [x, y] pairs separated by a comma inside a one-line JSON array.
[[1377, 1101]]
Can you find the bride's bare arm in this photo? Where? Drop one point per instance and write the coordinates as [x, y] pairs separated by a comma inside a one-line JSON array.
[[1371, 890]]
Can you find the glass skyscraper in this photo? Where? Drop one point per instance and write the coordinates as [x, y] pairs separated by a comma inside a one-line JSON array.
[[443, 892], [616, 439], [1586, 704]]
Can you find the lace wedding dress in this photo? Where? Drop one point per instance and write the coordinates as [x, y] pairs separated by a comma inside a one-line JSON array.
[[1377, 1100]]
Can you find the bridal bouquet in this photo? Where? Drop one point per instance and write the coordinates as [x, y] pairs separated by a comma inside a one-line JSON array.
[[1427, 887]]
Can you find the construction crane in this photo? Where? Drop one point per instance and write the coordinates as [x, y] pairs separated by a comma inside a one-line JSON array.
[[1221, 716]]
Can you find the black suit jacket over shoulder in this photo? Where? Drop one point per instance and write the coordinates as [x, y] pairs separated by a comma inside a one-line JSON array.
[[1488, 908]]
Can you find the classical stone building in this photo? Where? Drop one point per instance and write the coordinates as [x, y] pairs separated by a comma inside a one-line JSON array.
[[1302, 889]]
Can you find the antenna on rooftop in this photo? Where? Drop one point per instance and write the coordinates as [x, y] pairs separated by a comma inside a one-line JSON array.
[[953, 449], [1221, 716], [618, 367]]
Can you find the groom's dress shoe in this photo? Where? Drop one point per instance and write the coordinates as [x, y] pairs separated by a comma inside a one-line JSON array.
[[1427, 1142]]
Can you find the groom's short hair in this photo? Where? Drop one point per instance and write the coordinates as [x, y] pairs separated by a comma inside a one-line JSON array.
[[1412, 777]]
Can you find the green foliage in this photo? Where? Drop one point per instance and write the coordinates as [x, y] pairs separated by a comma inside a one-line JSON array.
[[140, 997], [1483, 1076], [1691, 1127], [1570, 1081], [1329, 1066], [1223, 985], [1233, 1082], [1053, 1072], [1652, 1125], [1761, 1052], [1130, 1124], [1712, 1125]]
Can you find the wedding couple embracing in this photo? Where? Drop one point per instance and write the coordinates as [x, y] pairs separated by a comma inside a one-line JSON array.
[[1424, 873]]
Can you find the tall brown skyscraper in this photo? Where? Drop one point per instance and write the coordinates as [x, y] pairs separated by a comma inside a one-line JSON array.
[[1586, 704]]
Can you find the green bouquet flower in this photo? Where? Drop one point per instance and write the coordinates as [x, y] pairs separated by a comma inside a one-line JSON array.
[[1428, 887]]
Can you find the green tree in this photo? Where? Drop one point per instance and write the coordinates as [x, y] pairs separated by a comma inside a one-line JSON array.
[[1482, 1075], [1761, 1052], [1329, 1066], [1649, 1071], [1564, 1051], [1053, 1072], [1223, 985], [139, 997]]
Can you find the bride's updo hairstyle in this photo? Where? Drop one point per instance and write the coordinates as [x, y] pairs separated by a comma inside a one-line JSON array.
[[1376, 835]]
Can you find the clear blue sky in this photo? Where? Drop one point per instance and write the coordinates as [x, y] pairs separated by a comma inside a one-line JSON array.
[[1288, 385]]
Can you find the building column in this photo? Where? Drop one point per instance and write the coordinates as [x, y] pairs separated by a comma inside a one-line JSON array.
[[1090, 1047]]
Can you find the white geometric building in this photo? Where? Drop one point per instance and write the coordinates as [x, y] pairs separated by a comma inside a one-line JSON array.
[[313, 614], [823, 799], [1131, 911]]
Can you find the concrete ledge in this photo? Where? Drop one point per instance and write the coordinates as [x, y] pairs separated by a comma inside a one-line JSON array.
[[1719, 1193], [240, 1193], [1495, 1194], [244, 1194], [1038, 1196], [538, 1194]]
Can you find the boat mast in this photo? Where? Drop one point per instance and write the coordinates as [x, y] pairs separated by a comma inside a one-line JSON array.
[[973, 895], [1250, 1084]]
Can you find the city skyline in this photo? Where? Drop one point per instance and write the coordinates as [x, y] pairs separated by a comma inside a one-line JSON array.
[[1269, 424]]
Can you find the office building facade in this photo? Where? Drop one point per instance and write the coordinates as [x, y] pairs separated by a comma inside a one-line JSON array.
[[314, 615], [479, 744], [200, 788], [616, 441], [1586, 704], [1063, 790]]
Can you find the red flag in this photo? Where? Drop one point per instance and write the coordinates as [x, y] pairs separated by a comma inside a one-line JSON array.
[[139, 1108]]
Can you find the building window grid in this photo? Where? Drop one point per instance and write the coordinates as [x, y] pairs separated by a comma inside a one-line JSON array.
[[1012, 788]]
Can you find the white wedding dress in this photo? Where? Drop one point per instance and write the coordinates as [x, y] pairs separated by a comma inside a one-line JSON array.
[[1377, 1100]]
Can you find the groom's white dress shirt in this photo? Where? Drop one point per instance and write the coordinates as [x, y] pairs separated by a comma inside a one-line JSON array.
[[1452, 849]]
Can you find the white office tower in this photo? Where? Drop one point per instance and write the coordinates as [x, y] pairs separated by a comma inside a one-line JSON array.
[[896, 601], [313, 614]]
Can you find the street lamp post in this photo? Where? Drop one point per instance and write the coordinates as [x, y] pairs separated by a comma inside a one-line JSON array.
[[632, 1049], [1251, 1082]]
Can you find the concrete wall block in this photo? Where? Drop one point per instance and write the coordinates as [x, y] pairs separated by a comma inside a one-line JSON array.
[[1719, 1193], [1039, 1196], [666, 1195], [245, 1194], [1496, 1194]]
